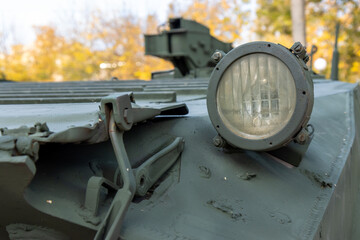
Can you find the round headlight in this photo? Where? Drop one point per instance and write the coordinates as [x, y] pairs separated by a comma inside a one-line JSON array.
[[260, 96]]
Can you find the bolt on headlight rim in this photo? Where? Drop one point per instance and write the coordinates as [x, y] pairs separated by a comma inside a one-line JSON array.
[[304, 96]]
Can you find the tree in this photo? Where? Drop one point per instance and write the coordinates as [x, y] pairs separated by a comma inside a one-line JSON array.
[[298, 21], [116, 40], [45, 54], [7, 33], [112, 40], [16, 66], [323, 16], [78, 62], [225, 19], [274, 24]]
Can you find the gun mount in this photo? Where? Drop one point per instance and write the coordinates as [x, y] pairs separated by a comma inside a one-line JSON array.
[[188, 45]]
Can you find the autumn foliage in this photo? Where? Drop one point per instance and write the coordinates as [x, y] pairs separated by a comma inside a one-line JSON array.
[[112, 44], [274, 24]]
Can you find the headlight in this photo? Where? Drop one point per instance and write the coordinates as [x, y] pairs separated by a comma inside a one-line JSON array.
[[260, 96]]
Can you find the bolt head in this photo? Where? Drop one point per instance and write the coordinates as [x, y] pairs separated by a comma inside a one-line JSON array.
[[216, 56], [301, 137], [218, 141]]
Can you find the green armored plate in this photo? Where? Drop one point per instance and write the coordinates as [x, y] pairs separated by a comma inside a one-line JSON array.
[[207, 194]]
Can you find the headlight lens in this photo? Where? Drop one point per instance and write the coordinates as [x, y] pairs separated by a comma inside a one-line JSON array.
[[256, 96], [260, 96]]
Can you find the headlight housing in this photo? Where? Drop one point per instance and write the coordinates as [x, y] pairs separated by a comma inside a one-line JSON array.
[[260, 96]]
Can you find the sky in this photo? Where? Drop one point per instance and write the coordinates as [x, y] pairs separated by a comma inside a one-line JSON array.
[[21, 15]]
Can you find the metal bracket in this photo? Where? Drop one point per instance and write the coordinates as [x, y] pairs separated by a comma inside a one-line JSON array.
[[153, 168], [127, 113], [295, 150], [119, 121], [121, 107], [299, 50], [121, 116], [92, 197], [146, 175]]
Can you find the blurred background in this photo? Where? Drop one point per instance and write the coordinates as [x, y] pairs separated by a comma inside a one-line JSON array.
[[63, 40]]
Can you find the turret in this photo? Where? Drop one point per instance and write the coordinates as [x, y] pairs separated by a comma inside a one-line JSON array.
[[188, 45]]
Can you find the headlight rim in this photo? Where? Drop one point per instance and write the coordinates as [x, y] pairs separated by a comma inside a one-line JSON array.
[[303, 106]]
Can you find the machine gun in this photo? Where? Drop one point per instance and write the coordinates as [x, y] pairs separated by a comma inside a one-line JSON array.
[[188, 45]]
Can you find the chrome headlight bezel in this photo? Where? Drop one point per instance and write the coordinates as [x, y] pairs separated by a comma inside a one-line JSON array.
[[304, 96]]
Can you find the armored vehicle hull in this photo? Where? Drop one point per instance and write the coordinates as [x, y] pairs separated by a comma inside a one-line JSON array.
[[60, 178]]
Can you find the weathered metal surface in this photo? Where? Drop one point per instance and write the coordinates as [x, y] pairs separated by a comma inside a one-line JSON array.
[[148, 173], [82, 92], [206, 196], [281, 202]]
